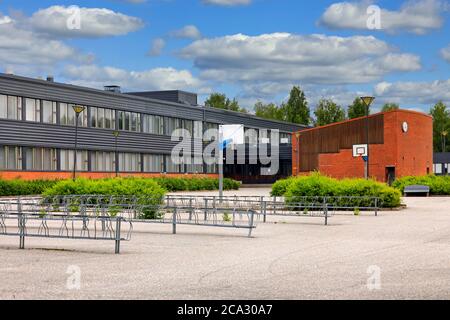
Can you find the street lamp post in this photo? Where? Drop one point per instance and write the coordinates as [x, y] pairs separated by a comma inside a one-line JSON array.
[[116, 134], [444, 140], [367, 102], [78, 110]]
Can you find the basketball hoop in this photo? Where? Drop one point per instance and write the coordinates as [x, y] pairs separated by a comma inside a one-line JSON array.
[[360, 151]]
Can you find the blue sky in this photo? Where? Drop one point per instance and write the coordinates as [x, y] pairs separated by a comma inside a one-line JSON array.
[[249, 49]]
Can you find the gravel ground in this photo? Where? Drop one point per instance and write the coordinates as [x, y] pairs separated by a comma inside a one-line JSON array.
[[288, 258]]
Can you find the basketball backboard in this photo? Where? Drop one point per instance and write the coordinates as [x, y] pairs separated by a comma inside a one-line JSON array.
[[360, 150]]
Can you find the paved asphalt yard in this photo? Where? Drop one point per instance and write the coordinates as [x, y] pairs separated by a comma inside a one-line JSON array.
[[295, 258]]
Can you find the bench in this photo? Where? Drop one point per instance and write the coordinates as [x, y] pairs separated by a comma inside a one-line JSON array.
[[417, 190]]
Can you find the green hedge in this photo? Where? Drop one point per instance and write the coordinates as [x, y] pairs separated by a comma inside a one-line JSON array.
[[196, 184], [318, 185], [19, 187], [439, 185]]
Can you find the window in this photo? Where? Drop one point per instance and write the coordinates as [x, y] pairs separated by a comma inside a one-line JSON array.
[[188, 125], [41, 159], [172, 167], [153, 124], [285, 138], [198, 129], [67, 115], [251, 136], [129, 162], [172, 124], [10, 107], [194, 164], [48, 111], [211, 135], [67, 160], [103, 118], [264, 136], [103, 161], [153, 163], [10, 158], [129, 121], [32, 110], [211, 168], [438, 168]]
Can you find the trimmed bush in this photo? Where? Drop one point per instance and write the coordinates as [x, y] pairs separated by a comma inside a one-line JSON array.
[[196, 184], [149, 193], [279, 188], [19, 187], [439, 185], [316, 185]]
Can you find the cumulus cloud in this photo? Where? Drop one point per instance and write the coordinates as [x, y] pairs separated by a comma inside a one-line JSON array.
[[157, 47], [446, 53], [153, 79], [76, 22], [187, 32], [415, 16], [227, 3], [287, 58], [414, 92], [24, 50]]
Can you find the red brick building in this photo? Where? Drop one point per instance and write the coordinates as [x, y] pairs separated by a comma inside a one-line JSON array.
[[401, 144]]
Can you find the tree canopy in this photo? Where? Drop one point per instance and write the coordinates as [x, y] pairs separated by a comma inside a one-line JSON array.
[[296, 110], [357, 109], [441, 127], [328, 112], [220, 101], [390, 107]]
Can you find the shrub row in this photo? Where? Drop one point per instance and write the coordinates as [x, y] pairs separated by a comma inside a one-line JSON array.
[[316, 185], [196, 184], [439, 185], [22, 187]]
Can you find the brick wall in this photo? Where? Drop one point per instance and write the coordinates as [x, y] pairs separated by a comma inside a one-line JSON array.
[[411, 153]]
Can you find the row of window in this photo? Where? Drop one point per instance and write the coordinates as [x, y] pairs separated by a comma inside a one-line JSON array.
[[62, 113], [46, 159], [441, 168]]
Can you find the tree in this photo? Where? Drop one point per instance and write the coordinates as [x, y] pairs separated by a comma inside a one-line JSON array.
[[390, 107], [357, 109], [220, 101], [441, 127], [268, 111], [296, 110], [328, 112]]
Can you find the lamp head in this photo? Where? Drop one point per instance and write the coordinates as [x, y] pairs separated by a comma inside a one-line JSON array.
[[367, 100], [78, 109]]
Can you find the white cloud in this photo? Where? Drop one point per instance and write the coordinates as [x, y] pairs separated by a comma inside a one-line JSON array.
[[187, 32], [24, 50], [153, 79], [414, 93], [227, 3], [415, 16], [157, 47], [446, 53], [287, 58], [75, 22]]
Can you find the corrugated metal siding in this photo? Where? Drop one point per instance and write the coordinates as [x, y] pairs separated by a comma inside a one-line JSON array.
[[44, 135], [41, 89], [332, 139]]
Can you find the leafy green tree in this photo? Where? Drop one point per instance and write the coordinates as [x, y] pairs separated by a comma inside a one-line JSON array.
[[328, 112], [357, 109], [390, 107], [296, 110], [220, 101], [268, 111], [441, 127]]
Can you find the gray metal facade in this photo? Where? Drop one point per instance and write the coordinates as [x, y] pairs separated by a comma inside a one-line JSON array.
[[24, 133]]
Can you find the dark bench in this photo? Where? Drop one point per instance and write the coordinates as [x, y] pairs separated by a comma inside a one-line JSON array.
[[417, 190]]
